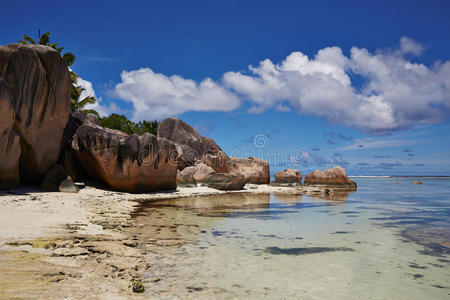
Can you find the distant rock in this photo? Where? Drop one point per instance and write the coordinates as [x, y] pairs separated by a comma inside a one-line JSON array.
[[226, 181], [35, 81], [57, 180], [288, 176], [191, 146], [200, 172], [125, 163], [334, 177], [253, 169]]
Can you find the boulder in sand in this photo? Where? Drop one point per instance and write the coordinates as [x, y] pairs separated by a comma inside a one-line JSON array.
[[226, 181], [254, 170], [36, 80], [288, 176], [9, 140], [191, 146], [336, 177], [126, 163], [200, 172]]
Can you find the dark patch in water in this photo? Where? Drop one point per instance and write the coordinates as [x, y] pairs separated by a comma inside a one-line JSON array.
[[438, 286], [351, 216], [218, 233], [350, 212], [304, 250], [298, 238], [444, 260], [436, 265], [416, 276], [416, 266], [435, 238], [342, 232], [273, 236]]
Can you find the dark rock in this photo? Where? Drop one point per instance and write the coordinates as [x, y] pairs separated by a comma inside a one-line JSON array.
[[253, 169], [200, 172], [9, 140], [126, 163], [38, 82], [191, 146], [336, 177], [288, 176], [226, 181], [185, 180]]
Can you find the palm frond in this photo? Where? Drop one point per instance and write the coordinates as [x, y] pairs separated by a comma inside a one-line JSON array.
[[26, 39], [87, 100]]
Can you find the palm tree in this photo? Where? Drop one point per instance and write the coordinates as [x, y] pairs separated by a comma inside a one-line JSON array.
[[69, 58]]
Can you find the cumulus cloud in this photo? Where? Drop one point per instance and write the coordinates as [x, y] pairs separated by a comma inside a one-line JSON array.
[[103, 110], [396, 92], [156, 95], [410, 46]]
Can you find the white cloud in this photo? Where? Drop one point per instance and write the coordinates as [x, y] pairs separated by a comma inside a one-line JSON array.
[[396, 93], [89, 91], [409, 46], [156, 96]]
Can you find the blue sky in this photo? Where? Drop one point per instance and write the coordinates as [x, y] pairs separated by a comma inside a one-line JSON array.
[[362, 84]]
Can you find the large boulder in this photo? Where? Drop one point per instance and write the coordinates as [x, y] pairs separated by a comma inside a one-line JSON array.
[[219, 162], [288, 176], [200, 172], [226, 181], [254, 170], [332, 177], [36, 81], [126, 163], [191, 146], [9, 140]]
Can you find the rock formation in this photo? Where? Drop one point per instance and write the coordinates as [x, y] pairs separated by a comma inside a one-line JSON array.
[[125, 163], [191, 145], [288, 176], [336, 177], [253, 169], [35, 94], [200, 172], [226, 181], [185, 180], [9, 141], [192, 148]]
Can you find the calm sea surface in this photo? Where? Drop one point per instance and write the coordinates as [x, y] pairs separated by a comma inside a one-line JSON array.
[[388, 240]]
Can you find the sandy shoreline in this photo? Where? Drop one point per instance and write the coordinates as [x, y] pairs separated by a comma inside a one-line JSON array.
[[59, 245]]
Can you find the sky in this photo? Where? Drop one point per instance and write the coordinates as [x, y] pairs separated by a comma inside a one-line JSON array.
[[303, 84]]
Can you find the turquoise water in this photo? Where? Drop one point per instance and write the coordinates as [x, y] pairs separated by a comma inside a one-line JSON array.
[[388, 240]]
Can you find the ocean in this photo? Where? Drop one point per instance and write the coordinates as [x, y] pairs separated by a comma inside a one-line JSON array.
[[388, 240]]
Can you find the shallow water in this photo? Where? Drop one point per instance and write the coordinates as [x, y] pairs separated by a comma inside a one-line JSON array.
[[385, 241]]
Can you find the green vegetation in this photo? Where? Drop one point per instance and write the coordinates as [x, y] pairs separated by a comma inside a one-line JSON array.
[[69, 58], [120, 122]]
